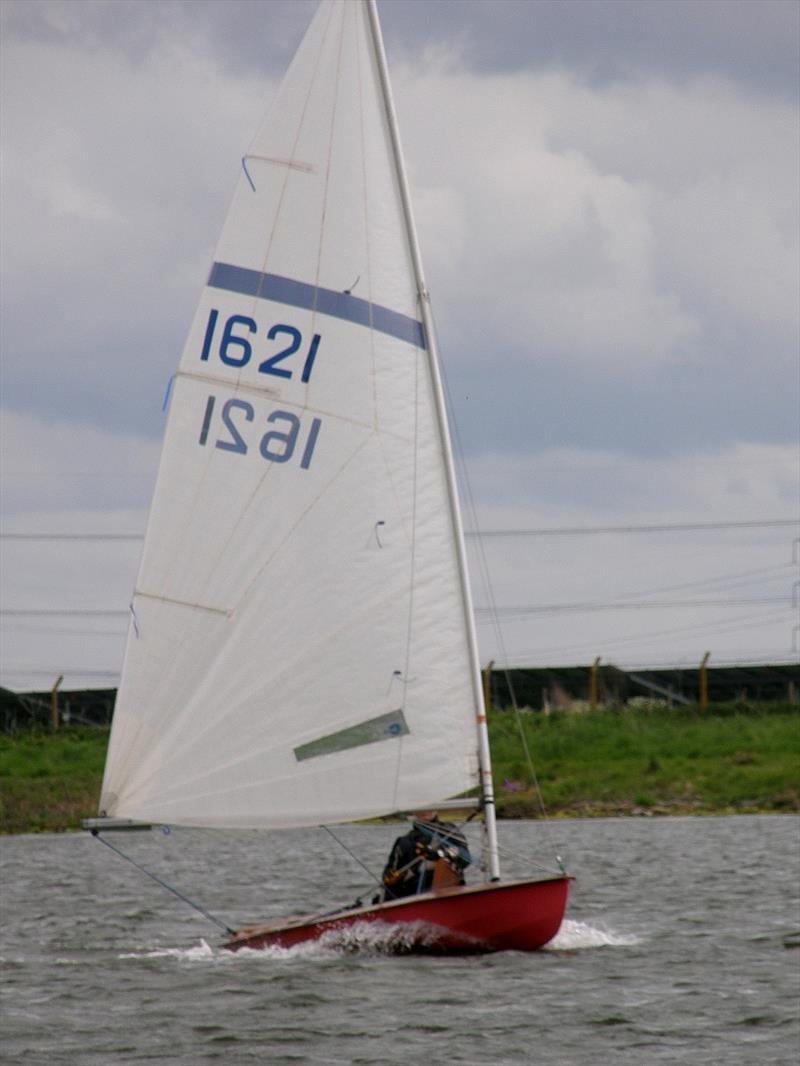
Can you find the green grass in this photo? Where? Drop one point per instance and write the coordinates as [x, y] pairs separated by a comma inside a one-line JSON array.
[[615, 761], [660, 760], [49, 781]]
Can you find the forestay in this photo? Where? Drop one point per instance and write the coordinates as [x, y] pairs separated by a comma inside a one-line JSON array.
[[298, 650]]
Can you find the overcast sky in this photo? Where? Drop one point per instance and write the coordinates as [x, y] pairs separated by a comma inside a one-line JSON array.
[[607, 200]]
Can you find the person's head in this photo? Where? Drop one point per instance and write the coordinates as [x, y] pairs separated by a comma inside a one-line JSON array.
[[425, 816]]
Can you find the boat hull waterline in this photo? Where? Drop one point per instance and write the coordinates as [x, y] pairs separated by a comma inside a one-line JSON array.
[[500, 916]]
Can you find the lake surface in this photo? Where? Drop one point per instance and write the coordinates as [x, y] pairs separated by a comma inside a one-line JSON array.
[[681, 946]]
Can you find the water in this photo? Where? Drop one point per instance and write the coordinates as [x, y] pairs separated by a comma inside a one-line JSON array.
[[681, 946]]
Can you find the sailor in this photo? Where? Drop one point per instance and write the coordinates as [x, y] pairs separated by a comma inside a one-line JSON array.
[[433, 854]]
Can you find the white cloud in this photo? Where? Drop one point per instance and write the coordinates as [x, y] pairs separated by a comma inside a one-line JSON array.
[[61, 466], [612, 226], [555, 255], [560, 486], [117, 176]]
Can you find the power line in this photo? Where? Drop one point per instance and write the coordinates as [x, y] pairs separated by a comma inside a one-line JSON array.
[[517, 611], [773, 658], [69, 630], [555, 531], [710, 584], [62, 613], [597, 644], [554, 608], [10, 671], [71, 536], [670, 527]]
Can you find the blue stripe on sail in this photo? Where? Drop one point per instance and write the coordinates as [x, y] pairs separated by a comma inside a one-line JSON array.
[[312, 298]]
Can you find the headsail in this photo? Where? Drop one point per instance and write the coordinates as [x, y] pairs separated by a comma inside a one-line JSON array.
[[300, 653]]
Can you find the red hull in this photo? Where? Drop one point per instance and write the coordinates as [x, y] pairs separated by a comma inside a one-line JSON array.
[[502, 916]]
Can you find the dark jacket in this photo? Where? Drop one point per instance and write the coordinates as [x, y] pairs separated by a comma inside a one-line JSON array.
[[414, 856]]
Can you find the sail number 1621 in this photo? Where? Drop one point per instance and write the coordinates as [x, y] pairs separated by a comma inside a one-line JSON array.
[[233, 344]]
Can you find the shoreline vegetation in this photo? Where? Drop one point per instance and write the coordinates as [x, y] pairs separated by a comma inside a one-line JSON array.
[[644, 761]]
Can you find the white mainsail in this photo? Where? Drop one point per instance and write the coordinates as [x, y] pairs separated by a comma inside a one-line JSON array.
[[300, 650]]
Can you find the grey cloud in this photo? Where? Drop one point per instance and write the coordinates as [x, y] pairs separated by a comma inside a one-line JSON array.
[[245, 36], [672, 412], [743, 40], [132, 201], [751, 41]]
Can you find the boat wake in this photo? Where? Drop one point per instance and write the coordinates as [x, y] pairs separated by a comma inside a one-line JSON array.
[[574, 936], [201, 952], [377, 938], [364, 938]]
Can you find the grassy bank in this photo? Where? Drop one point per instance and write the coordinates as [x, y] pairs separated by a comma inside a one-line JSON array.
[[49, 781], [605, 762], [657, 761]]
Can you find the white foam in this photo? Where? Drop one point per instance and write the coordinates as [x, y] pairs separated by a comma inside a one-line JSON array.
[[362, 937], [375, 938], [575, 935], [199, 953]]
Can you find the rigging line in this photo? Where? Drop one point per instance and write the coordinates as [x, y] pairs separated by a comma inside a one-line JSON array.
[[504, 653], [158, 881], [362, 66], [485, 576], [412, 562], [528, 856], [365, 210], [353, 856]]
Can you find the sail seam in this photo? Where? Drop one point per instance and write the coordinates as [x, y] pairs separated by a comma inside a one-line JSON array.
[[226, 611], [293, 164], [238, 386], [257, 390]]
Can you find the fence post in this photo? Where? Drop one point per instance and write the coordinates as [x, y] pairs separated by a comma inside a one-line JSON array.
[[487, 685], [593, 683], [54, 703], [704, 682]]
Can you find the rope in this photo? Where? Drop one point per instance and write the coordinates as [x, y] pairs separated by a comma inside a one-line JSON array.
[[353, 856], [483, 566], [163, 884]]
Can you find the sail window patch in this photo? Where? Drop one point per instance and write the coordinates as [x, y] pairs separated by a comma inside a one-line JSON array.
[[384, 727], [313, 298]]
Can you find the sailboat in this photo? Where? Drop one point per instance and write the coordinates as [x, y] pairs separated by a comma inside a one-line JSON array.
[[301, 649]]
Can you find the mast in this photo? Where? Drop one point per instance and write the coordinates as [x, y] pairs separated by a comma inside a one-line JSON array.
[[487, 787]]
